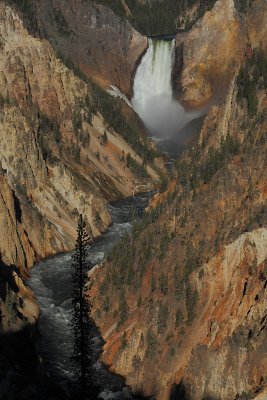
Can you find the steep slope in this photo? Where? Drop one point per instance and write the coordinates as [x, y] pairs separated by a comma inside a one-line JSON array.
[[107, 48], [89, 36], [213, 50], [181, 303], [59, 155], [159, 17]]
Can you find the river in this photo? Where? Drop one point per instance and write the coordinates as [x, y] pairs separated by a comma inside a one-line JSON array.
[[51, 283], [166, 120]]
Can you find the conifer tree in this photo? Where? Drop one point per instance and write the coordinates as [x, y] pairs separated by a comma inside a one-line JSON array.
[[82, 357]]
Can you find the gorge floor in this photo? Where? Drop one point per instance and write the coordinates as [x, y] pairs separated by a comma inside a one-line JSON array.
[[51, 283]]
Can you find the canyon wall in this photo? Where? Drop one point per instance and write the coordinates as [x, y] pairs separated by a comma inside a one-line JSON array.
[[181, 303], [212, 51], [59, 155], [90, 36]]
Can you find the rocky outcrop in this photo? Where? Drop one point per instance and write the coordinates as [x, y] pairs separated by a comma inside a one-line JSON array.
[[213, 50], [18, 307], [95, 40], [183, 310], [52, 153], [59, 156], [17, 303], [256, 26], [231, 357]]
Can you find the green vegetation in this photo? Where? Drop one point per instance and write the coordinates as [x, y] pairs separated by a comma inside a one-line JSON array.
[[158, 17], [191, 302], [123, 340], [192, 175], [104, 138], [60, 21], [2, 101], [162, 317], [137, 363], [48, 136], [123, 308], [163, 282], [115, 5], [81, 311], [7, 101], [123, 260], [106, 305], [138, 169], [247, 395], [76, 121], [217, 158], [178, 318], [110, 108], [164, 244], [252, 76], [172, 352], [27, 8], [243, 5], [179, 289], [149, 18], [100, 101], [151, 345]]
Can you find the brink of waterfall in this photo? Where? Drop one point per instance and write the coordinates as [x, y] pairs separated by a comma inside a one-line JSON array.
[[153, 98]]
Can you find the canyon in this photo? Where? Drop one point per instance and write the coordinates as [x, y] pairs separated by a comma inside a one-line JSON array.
[[58, 153], [181, 301], [184, 307], [208, 54]]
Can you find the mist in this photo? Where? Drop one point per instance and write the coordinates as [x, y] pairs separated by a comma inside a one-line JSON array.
[[153, 99]]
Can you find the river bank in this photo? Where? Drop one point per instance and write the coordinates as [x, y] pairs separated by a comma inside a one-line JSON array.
[[51, 283]]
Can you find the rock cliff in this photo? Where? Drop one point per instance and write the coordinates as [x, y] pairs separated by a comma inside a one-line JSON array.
[[181, 303], [91, 37], [183, 309], [59, 155], [208, 55]]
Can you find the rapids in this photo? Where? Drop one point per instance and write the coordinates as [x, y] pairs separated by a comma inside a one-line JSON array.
[[51, 283]]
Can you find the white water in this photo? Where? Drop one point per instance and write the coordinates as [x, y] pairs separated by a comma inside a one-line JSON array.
[[52, 284], [153, 96]]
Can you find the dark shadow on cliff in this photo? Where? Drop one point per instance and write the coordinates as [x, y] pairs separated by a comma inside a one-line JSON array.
[[179, 392], [7, 281], [21, 375], [183, 139]]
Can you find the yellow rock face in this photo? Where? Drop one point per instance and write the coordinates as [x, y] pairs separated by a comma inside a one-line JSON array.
[[256, 24], [216, 348], [106, 48], [52, 171], [33, 78], [213, 50]]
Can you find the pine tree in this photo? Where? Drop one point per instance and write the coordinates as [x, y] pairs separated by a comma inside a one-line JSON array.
[[82, 358], [1, 318], [105, 138]]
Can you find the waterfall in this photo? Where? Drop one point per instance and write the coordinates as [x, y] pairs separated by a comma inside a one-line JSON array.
[[153, 98], [153, 75]]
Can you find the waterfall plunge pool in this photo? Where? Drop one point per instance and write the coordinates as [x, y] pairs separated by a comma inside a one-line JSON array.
[[164, 117]]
